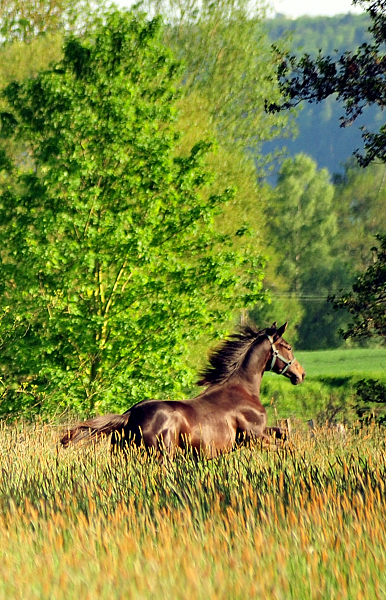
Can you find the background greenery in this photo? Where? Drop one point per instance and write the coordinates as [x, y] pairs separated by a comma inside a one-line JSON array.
[[155, 146], [330, 393], [356, 213], [308, 229]]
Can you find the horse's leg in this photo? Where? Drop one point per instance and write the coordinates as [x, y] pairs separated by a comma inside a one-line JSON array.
[[122, 441], [248, 429], [254, 436], [278, 432], [169, 440]]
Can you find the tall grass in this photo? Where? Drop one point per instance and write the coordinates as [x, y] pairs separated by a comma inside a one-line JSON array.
[[302, 522]]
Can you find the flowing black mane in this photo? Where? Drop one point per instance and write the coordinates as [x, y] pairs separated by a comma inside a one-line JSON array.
[[226, 359]]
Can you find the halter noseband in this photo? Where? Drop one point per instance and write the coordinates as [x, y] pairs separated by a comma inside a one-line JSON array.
[[276, 354]]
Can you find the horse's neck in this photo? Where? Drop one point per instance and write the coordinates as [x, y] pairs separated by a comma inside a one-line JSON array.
[[253, 368]]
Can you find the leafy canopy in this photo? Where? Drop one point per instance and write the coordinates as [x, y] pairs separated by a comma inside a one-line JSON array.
[[110, 260], [359, 201], [228, 72], [301, 205]]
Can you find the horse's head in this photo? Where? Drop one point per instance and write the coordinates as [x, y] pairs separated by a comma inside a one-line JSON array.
[[281, 360]]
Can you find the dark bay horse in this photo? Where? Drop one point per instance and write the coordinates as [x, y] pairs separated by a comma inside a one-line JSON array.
[[226, 413]]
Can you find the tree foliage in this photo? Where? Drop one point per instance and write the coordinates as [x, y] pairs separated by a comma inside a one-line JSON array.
[[359, 204], [371, 401], [31, 39], [319, 134], [229, 64], [24, 20], [300, 207], [366, 303], [357, 78], [110, 260], [301, 229]]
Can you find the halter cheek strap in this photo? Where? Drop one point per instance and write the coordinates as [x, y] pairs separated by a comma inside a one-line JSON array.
[[276, 354]]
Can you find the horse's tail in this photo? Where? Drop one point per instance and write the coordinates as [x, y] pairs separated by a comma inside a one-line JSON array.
[[92, 428]]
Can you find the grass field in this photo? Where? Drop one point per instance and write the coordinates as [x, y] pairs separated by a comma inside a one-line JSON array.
[[302, 523], [359, 362]]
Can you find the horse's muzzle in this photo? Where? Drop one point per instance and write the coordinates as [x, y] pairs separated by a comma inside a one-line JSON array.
[[298, 374]]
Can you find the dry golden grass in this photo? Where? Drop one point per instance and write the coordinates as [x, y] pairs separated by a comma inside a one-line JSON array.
[[306, 522]]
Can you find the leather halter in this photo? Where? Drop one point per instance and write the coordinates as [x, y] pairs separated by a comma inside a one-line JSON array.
[[276, 354]]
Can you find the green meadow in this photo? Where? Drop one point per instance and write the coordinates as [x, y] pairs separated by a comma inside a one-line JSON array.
[[329, 386], [357, 362]]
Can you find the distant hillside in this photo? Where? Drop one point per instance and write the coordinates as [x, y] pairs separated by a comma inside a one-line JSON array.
[[320, 135], [308, 34]]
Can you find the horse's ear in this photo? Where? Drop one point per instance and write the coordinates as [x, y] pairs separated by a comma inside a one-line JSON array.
[[281, 330], [274, 325]]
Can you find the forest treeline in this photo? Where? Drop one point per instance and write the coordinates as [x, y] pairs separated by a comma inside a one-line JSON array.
[[136, 220]]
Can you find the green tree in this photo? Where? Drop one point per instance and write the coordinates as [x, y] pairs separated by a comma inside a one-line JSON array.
[[366, 303], [32, 36], [229, 65], [359, 202], [279, 304], [24, 20], [111, 263], [357, 79], [302, 230], [300, 219], [245, 211]]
